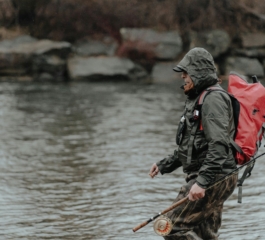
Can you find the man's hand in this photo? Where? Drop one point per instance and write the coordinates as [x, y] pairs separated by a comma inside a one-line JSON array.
[[196, 192], [153, 171]]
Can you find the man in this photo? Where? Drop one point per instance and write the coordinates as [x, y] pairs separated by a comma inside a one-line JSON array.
[[204, 151]]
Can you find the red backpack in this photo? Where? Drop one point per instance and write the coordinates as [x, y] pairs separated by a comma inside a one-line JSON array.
[[251, 116]]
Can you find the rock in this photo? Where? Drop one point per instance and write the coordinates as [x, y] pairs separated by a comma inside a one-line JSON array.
[[244, 66], [216, 42], [16, 78], [163, 73], [89, 68], [45, 46], [45, 77], [49, 64], [90, 47], [12, 43], [138, 73], [252, 40], [12, 62], [251, 53], [17, 55], [150, 43]]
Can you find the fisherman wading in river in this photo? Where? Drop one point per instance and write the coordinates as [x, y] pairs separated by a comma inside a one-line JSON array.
[[204, 152]]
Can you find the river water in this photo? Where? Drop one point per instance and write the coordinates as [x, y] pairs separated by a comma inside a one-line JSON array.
[[75, 160]]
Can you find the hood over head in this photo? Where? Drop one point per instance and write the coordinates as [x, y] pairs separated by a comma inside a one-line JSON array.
[[199, 65]]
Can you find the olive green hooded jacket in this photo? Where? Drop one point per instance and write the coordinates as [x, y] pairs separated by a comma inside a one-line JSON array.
[[211, 151]]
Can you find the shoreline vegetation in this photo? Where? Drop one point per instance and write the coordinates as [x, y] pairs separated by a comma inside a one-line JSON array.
[[55, 40]]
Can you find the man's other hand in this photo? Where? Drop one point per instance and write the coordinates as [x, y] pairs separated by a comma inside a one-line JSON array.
[[153, 171], [196, 192]]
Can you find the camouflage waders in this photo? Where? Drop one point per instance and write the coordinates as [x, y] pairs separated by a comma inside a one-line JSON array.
[[200, 220]]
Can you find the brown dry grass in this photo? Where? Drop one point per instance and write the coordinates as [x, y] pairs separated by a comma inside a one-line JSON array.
[[11, 33]]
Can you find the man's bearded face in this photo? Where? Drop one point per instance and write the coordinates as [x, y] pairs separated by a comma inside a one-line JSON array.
[[188, 83]]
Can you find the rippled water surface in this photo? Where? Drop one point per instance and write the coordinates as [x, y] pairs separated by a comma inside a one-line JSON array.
[[75, 160]]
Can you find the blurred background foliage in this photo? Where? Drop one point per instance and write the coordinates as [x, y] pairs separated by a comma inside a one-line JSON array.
[[73, 19]]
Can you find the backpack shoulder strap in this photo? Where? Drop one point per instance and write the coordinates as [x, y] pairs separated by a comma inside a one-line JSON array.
[[207, 91], [197, 121]]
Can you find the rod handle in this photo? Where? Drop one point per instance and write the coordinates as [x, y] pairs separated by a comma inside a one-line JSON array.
[[140, 226]]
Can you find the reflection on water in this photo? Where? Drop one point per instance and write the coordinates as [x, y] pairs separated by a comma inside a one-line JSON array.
[[75, 161]]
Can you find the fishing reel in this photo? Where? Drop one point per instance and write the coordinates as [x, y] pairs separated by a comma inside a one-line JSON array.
[[162, 226]]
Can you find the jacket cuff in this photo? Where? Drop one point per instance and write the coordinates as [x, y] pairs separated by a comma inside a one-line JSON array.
[[160, 166], [201, 182]]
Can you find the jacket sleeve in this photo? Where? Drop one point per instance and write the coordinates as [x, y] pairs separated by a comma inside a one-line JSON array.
[[216, 122], [169, 164]]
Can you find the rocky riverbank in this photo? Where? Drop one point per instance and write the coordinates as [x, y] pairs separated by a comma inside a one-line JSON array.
[[142, 55]]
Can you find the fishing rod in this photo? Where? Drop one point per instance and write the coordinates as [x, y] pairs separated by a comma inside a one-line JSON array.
[[249, 163], [161, 213]]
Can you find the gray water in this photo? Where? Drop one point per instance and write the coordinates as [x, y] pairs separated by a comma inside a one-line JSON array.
[[75, 160]]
